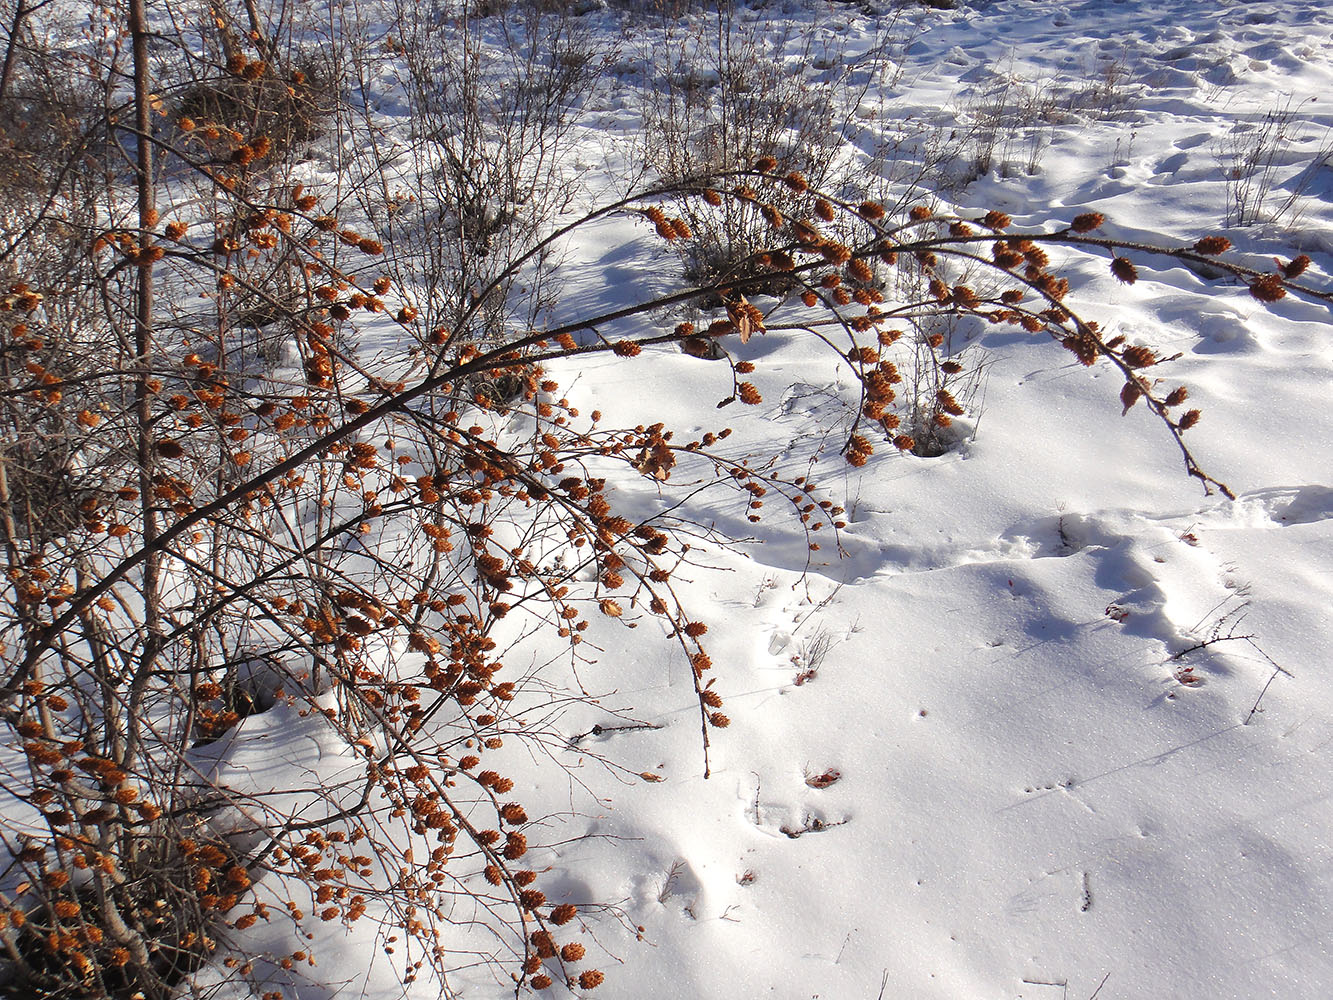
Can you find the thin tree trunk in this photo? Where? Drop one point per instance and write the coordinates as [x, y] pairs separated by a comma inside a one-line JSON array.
[[20, 12], [143, 343]]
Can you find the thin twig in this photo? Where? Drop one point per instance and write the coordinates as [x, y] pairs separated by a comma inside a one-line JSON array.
[[600, 730]]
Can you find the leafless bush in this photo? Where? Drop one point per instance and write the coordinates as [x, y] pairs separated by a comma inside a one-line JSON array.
[[1252, 157], [1007, 123], [273, 78], [290, 111], [485, 173], [1006, 126], [944, 383], [736, 87]]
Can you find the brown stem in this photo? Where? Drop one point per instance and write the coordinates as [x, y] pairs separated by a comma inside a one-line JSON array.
[[143, 340], [21, 11]]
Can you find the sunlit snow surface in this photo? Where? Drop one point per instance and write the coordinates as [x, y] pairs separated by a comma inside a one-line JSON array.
[[1031, 803]]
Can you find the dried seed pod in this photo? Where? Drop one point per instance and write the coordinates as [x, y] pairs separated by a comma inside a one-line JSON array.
[[1212, 245], [531, 898], [859, 270], [1296, 268], [544, 943], [1123, 268], [516, 845], [1129, 395], [946, 402], [1138, 356], [1087, 222], [1268, 288]]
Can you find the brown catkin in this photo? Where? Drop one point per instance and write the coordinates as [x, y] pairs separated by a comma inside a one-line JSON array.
[[1139, 357], [1268, 288], [1212, 245], [1087, 222], [1297, 267], [516, 845]]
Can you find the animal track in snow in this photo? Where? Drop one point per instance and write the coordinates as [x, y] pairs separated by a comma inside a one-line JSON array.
[[1295, 504]]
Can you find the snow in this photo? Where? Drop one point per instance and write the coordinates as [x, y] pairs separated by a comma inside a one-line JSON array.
[[1045, 788], [1031, 802]]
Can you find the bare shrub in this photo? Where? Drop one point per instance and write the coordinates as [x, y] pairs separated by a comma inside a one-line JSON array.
[[257, 79], [486, 171], [735, 88], [944, 383], [1007, 123], [1252, 157], [289, 111]]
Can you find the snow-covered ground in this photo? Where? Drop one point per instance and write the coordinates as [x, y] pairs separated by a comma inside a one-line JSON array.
[[1056, 723], [1031, 803]]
